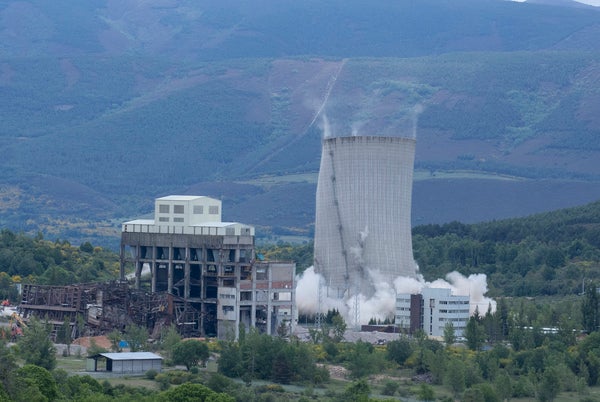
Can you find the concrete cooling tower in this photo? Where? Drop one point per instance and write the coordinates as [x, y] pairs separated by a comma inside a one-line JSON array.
[[363, 212]]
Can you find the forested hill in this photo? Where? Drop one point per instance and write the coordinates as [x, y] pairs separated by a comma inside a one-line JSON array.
[[543, 254]]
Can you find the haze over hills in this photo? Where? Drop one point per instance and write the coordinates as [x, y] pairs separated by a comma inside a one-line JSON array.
[[108, 104]]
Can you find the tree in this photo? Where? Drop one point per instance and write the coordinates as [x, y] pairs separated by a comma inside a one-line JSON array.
[[549, 386], [193, 392], [449, 334], [36, 347], [282, 368], [63, 335], [170, 338], [358, 391], [34, 377], [190, 353], [114, 337], [230, 359], [136, 336], [86, 247], [503, 386], [455, 376], [426, 393], [590, 309], [7, 364], [390, 387], [362, 359], [399, 350], [339, 327], [474, 334]]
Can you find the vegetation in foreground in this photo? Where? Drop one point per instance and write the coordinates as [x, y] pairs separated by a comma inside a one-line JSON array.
[[502, 358]]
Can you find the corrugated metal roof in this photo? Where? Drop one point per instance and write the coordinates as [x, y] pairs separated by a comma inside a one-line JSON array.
[[131, 356]]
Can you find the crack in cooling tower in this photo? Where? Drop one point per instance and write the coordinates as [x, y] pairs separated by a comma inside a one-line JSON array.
[[339, 218]]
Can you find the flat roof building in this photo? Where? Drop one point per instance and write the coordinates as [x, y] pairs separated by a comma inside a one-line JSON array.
[[209, 266], [431, 310]]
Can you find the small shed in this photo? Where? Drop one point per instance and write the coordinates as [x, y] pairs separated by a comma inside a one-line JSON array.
[[125, 363]]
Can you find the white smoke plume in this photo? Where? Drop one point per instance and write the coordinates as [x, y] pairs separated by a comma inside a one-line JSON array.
[[325, 126], [382, 304]]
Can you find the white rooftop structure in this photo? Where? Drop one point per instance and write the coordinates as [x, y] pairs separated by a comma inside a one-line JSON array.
[[188, 214], [131, 356]]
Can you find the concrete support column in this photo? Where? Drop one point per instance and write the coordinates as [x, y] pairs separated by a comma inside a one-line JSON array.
[[170, 270], [201, 323], [186, 273], [269, 296], [253, 306], [153, 269], [237, 309], [138, 273]]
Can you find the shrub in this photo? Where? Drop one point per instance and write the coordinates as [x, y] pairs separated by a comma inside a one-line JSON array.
[[390, 388]]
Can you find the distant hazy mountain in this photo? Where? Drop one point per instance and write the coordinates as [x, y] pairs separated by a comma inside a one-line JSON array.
[[108, 104]]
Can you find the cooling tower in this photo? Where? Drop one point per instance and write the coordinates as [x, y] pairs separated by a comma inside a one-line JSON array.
[[363, 211]]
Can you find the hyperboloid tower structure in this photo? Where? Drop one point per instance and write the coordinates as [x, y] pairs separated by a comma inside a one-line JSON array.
[[363, 213]]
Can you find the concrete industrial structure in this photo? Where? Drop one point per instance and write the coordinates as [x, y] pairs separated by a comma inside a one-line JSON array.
[[431, 310], [210, 266], [363, 212]]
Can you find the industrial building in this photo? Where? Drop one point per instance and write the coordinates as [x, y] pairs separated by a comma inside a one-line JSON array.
[[210, 267], [363, 213], [431, 310]]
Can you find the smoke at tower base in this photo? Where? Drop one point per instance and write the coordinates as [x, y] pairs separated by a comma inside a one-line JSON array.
[[382, 303]]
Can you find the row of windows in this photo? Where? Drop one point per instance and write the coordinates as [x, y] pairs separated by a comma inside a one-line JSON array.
[[226, 296], [442, 319], [165, 219], [454, 311], [180, 209], [454, 302]]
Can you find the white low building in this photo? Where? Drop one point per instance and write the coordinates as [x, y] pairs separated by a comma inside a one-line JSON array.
[[431, 310]]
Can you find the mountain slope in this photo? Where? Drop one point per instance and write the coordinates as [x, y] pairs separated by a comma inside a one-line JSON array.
[[122, 101]]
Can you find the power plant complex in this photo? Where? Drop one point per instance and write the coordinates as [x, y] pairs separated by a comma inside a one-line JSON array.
[[195, 271], [363, 213]]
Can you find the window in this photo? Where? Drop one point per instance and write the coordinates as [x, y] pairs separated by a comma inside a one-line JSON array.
[[198, 209], [261, 274], [162, 219], [163, 208], [178, 209], [177, 219], [213, 209]]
